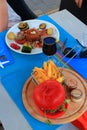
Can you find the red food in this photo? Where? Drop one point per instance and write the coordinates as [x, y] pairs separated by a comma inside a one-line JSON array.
[[39, 45], [15, 46], [32, 34], [21, 41], [48, 97]]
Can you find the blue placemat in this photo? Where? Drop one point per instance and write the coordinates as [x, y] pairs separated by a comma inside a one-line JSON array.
[[4, 52]]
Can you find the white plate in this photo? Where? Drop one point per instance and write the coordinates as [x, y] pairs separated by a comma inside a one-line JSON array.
[[32, 24]]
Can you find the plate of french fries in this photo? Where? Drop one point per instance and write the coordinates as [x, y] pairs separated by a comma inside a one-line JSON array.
[[48, 71]]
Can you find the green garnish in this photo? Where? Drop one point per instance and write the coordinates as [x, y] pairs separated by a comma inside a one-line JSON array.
[[48, 122], [26, 49], [63, 108], [67, 101]]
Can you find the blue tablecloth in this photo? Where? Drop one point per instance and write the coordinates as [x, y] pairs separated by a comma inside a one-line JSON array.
[[14, 76]]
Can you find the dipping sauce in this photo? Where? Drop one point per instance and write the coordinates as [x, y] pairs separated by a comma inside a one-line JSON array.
[[72, 83], [76, 95]]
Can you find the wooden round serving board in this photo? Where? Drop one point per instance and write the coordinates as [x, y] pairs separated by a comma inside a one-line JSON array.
[[74, 111]]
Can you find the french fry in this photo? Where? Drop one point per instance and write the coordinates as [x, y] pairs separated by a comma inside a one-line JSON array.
[[49, 71], [60, 79], [40, 80], [40, 74], [38, 69], [54, 73], [45, 66], [53, 65], [55, 68]]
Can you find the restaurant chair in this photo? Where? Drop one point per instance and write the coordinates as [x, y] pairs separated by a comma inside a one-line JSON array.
[[71, 6]]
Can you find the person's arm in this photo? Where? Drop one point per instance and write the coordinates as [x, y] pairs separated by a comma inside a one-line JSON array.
[[3, 15], [79, 3]]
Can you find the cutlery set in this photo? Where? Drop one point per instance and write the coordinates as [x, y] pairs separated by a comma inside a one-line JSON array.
[[70, 52]]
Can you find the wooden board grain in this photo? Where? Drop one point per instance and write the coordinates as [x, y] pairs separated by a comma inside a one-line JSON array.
[[75, 109]]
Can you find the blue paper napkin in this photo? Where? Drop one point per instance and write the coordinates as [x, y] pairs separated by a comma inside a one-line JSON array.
[[4, 52]]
